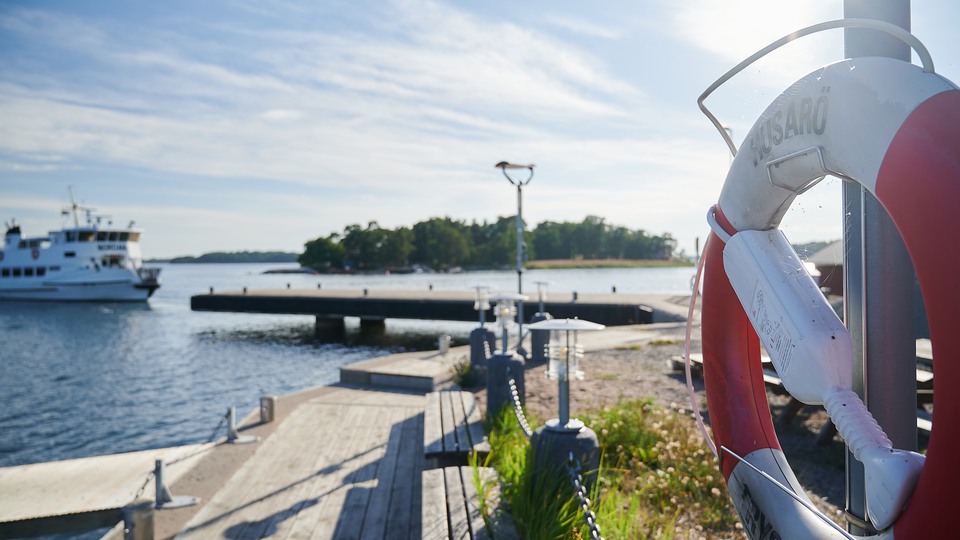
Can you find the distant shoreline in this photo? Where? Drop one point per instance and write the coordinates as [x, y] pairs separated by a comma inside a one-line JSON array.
[[545, 264], [563, 264]]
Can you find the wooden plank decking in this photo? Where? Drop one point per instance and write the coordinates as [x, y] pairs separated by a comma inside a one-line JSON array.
[[346, 464]]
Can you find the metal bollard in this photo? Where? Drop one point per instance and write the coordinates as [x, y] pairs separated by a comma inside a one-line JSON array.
[[164, 499], [233, 435], [138, 521], [444, 345], [268, 408]]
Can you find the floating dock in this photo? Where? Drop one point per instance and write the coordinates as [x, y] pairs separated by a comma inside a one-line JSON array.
[[376, 305]]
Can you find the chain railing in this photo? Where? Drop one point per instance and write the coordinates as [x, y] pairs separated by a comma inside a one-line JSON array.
[[150, 474], [517, 407], [573, 466], [573, 469]]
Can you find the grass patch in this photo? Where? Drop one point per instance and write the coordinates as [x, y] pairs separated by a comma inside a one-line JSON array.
[[662, 342], [631, 347], [657, 479], [464, 375]]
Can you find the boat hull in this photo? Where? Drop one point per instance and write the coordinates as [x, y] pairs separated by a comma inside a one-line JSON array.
[[87, 291]]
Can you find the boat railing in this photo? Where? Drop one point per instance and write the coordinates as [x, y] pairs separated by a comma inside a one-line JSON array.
[[149, 274]]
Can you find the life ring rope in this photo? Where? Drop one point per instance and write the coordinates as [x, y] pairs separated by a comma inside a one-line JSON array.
[[925, 59]]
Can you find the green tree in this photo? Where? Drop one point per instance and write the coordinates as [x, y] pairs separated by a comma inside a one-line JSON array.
[[396, 247], [440, 243], [323, 253]]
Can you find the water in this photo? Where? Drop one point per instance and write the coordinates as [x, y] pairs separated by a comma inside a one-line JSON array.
[[86, 379]]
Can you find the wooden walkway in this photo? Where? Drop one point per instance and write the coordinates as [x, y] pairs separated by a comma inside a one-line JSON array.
[[346, 464]]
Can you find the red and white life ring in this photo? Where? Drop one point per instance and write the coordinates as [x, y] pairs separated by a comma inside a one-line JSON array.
[[894, 129], [35, 253]]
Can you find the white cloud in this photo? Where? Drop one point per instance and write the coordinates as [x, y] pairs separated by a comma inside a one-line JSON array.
[[584, 28]]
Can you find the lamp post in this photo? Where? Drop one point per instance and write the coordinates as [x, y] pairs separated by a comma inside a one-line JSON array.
[[563, 436], [539, 339], [482, 341], [504, 165], [505, 363]]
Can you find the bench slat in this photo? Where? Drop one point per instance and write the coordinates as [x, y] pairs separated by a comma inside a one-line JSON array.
[[474, 423], [456, 404], [434, 506], [473, 505], [448, 422], [456, 505], [432, 427]]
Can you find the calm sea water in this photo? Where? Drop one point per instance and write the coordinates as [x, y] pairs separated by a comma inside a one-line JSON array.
[[85, 379]]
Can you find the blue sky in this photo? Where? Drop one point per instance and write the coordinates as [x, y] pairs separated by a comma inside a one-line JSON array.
[[259, 125]]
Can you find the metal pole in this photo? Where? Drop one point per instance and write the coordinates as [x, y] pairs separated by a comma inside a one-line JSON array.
[[564, 387], [520, 266], [877, 267]]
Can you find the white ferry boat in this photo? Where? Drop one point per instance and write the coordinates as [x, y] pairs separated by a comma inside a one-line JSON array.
[[90, 262]]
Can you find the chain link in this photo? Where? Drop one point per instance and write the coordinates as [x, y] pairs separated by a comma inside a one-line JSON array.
[[216, 430], [517, 407], [573, 469], [143, 488]]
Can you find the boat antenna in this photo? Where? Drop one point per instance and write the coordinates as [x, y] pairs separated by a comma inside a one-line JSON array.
[[73, 208]]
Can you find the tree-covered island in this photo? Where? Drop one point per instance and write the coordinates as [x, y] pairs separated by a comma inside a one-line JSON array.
[[445, 243]]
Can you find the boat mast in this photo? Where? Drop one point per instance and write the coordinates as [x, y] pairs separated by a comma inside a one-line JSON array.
[[73, 208]]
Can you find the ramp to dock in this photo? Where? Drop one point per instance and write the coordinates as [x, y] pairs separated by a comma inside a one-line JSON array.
[[83, 494], [345, 464]]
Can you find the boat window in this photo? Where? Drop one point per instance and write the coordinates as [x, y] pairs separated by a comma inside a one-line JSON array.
[[102, 236], [134, 237], [54, 268], [124, 236], [70, 254], [16, 272], [28, 271], [86, 236], [22, 244], [114, 236], [5, 272], [71, 236], [41, 271]]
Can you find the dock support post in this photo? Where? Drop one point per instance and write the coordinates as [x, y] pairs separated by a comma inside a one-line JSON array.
[[539, 339], [329, 326], [138, 521], [164, 499], [500, 368], [268, 409], [482, 344], [233, 436], [552, 449]]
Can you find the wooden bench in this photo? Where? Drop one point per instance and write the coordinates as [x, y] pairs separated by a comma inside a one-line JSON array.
[[452, 429], [451, 505]]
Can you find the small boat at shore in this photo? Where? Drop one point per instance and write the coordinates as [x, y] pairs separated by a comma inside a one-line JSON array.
[[91, 261]]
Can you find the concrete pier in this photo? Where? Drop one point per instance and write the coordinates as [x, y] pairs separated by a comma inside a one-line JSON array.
[[330, 305]]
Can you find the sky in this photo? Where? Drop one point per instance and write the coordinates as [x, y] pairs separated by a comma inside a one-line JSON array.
[[261, 125]]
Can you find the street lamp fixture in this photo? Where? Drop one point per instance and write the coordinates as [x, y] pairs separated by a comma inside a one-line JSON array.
[[565, 353], [505, 311], [481, 303], [505, 166]]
